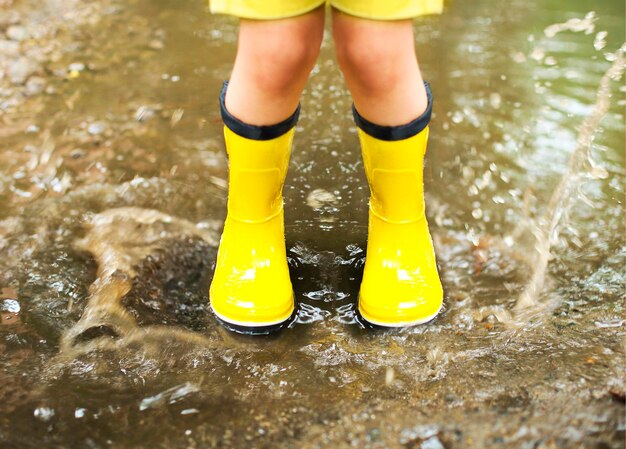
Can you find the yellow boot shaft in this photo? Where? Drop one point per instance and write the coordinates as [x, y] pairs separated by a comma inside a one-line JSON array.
[[257, 171], [394, 171]]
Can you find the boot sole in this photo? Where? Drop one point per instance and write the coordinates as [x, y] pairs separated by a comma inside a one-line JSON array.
[[379, 325], [254, 328]]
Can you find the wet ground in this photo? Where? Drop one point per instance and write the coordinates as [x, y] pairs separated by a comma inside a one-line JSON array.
[[113, 188]]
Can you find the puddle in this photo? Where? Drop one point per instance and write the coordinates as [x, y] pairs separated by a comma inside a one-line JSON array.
[[113, 187]]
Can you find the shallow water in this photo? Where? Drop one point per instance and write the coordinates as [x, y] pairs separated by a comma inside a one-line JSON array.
[[113, 191]]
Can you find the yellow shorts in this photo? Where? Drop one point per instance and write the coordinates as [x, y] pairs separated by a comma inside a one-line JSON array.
[[367, 9]]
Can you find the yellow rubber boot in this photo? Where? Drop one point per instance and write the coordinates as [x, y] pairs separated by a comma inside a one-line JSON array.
[[401, 285], [251, 290]]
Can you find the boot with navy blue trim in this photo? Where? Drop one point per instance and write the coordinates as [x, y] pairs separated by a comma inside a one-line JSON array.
[[251, 291], [401, 285]]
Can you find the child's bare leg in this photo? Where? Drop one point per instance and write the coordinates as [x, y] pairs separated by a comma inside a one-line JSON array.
[[379, 64], [274, 59]]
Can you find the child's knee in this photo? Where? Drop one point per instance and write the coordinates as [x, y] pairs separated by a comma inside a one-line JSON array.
[[279, 68], [375, 57], [279, 57], [372, 67]]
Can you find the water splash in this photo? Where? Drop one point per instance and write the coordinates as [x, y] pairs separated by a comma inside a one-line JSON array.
[[586, 24], [169, 396], [580, 164], [119, 239]]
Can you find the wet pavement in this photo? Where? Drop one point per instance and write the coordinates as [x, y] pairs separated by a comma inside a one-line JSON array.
[[113, 189]]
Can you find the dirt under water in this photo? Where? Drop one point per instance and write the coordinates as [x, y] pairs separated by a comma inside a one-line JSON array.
[[113, 189]]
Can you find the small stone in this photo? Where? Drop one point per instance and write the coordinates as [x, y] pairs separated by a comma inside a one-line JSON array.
[[35, 85], [432, 443], [10, 305], [78, 153], [156, 44], [17, 33], [618, 393], [21, 69], [9, 18], [9, 48], [76, 67], [96, 128]]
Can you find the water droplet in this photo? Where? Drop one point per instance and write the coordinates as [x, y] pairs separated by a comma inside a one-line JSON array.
[[550, 60], [609, 323], [537, 54], [518, 57], [495, 100], [468, 173], [457, 117], [177, 115], [319, 197], [44, 413], [600, 40], [598, 172], [389, 376], [477, 214], [309, 314], [32, 129]]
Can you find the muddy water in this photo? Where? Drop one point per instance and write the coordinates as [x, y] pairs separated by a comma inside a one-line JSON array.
[[112, 184]]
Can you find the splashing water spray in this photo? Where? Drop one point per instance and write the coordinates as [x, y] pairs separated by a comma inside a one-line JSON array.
[[580, 165]]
